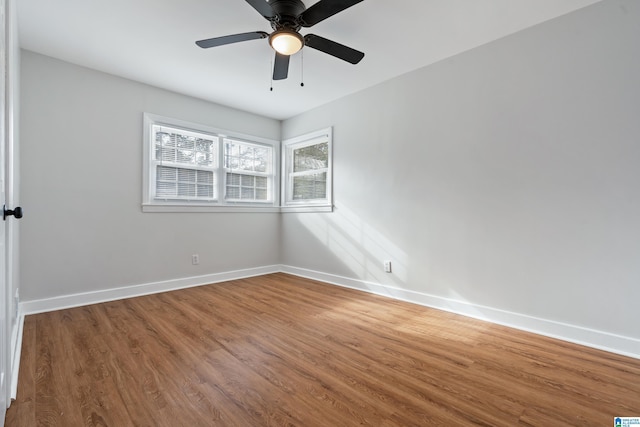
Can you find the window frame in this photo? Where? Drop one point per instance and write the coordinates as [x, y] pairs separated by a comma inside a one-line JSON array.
[[151, 204], [269, 174], [288, 147], [177, 165]]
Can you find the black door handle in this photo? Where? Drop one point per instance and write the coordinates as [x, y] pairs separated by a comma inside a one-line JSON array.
[[17, 212]]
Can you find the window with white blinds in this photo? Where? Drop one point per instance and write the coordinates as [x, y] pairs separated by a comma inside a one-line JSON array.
[[185, 164], [307, 170], [248, 171], [192, 165]]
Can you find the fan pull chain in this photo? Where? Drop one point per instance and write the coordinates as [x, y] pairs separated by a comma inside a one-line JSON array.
[[271, 72], [302, 68]]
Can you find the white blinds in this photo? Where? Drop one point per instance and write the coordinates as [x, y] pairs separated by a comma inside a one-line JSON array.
[[309, 171], [248, 171], [185, 163]]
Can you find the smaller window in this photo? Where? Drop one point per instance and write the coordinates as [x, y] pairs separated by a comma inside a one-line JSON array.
[[248, 172], [307, 170]]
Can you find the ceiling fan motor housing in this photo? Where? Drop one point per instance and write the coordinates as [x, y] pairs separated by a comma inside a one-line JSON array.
[[287, 14]]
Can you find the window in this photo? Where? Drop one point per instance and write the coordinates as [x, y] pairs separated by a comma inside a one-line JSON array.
[[248, 169], [190, 167], [307, 171], [184, 164]]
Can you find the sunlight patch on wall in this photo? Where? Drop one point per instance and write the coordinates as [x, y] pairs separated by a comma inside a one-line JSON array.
[[358, 245]]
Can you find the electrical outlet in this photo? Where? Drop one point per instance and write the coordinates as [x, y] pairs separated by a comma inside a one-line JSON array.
[[195, 259], [387, 266]]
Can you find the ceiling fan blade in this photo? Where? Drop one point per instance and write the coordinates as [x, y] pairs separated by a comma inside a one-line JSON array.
[[334, 49], [281, 67], [324, 9], [235, 38], [263, 8]]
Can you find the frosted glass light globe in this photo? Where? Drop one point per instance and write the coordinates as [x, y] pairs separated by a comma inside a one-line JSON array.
[[286, 42]]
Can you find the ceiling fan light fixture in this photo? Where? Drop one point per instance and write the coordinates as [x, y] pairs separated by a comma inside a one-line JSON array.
[[286, 42]]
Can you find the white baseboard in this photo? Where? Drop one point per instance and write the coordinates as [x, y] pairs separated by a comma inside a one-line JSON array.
[[95, 297], [613, 343], [16, 352], [618, 344]]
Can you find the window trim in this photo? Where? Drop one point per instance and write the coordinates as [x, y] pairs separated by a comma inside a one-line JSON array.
[[219, 205], [275, 170], [289, 205]]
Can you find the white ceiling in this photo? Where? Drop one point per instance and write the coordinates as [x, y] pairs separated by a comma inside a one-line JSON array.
[[152, 41]]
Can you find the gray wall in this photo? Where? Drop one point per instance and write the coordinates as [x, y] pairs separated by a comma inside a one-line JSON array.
[[507, 176], [83, 228]]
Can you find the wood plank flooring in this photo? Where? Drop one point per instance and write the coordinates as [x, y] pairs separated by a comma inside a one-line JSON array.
[[279, 350]]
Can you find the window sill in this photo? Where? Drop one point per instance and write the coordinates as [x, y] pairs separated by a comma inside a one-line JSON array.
[[208, 208], [233, 209], [307, 208]]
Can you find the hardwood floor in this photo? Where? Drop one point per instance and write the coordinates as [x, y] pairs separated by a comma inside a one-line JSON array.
[[284, 351]]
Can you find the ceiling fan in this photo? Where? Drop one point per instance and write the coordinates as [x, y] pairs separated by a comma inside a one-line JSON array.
[[286, 18]]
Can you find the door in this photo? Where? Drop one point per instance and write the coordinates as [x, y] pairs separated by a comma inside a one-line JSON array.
[[4, 306]]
